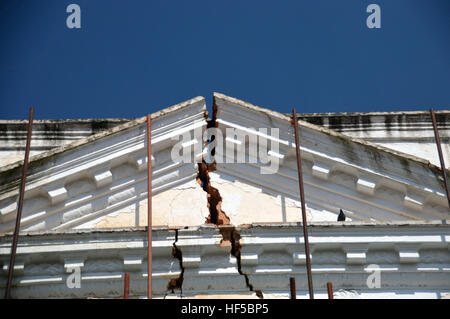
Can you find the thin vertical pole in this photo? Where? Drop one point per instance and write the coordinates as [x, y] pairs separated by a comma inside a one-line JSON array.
[[292, 285], [302, 198], [19, 208], [441, 158], [126, 286], [330, 290], [149, 206]]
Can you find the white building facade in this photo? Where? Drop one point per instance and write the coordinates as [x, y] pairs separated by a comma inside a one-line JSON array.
[[228, 228]]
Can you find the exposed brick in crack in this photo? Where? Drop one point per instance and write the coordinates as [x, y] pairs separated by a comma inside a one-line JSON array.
[[230, 236], [177, 283], [216, 215]]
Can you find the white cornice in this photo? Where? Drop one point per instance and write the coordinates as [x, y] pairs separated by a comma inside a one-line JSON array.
[[380, 184], [325, 152], [412, 256], [96, 160]]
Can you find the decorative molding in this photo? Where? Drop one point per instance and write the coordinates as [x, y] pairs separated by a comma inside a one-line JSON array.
[[19, 267], [299, 258], [366, 186], [191, 261], [132, 263], [269, 255], [71, 263], [413, 201], [321, 171], [8, 208], [356, 256], [249, 259], [408, 255], [56, 194], [367, 163], [99, 158], [103, 177]]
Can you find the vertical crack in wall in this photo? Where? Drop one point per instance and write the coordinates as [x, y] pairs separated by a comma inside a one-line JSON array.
[[214, 202], [230, 236], [177, 283], [216, 215]]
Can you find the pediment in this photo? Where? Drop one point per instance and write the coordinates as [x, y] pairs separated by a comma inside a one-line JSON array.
[[368, 182], [101, 181]]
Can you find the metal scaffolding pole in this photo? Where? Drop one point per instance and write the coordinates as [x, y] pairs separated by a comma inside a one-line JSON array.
[[330, 290], [19, 208], [302, 198], [126, 286], [149, 206], [292, 286], [441, 157]]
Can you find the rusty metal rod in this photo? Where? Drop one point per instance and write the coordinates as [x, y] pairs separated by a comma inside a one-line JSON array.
[[330, 290], [19, 208], [149, 206], [126, 286], [292, 285], [441, 158], [302, 198]]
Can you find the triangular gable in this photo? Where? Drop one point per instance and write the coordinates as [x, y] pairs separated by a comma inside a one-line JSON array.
[[77, 185], [100, 181], [367, 181]]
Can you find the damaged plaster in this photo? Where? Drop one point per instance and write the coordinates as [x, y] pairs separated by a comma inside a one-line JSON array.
[[216, 215], [230, 236], [177, 283], [209, 205]]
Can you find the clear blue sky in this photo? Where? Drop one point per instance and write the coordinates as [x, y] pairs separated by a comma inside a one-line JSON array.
[[134, 57]]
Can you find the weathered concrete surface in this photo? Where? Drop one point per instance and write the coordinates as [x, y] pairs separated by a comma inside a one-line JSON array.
[[101, 181], [89, 190], [366, 180], [413, 259], [185, 205], [248, 204], [408, 132], [46, 135]]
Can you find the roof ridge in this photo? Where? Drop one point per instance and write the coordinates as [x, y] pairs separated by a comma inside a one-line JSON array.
[[70, 120], [113, 130], [372, 113]]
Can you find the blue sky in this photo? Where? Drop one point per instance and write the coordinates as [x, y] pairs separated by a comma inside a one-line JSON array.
[[134, 57]]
